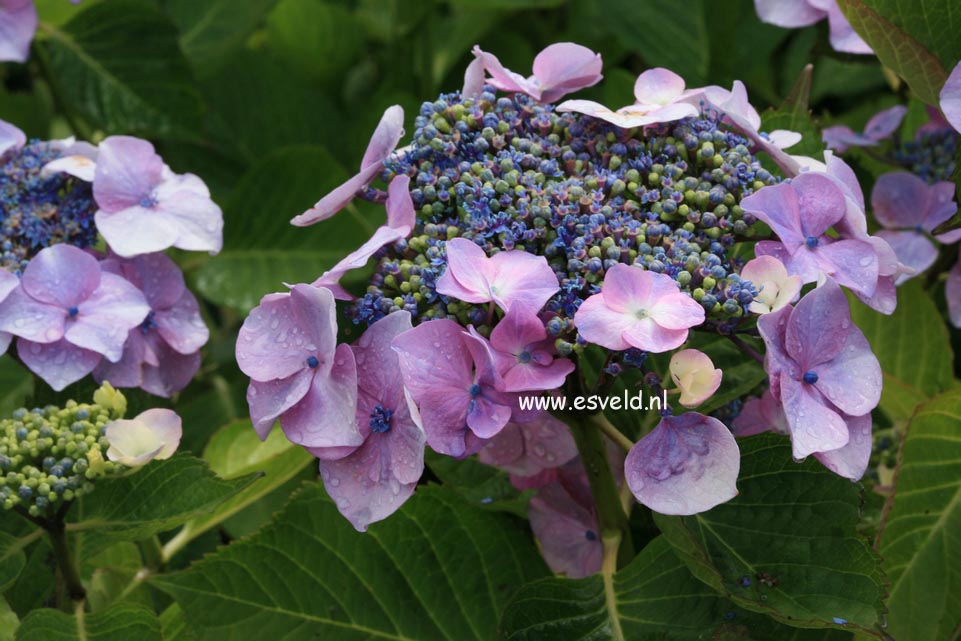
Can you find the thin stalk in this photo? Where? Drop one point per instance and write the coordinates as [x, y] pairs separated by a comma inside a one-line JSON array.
[[747, 349], [65, 562], [612, 543], [593, 451], [600, 421]]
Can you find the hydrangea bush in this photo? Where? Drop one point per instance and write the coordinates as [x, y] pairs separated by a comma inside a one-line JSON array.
[[608, 336]]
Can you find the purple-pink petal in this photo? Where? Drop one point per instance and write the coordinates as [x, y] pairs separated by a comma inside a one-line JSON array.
[[952, 293], [950, 98], [815, 426], [104, 318], [18, 22], [268, 400], [382, 143], [564, 67], [59, 363], [913, 250], [686, 465], [851, 461], [885, 122], [790, 14], [61, 275], [11, 137], [25, 317], [128, 171], [528, 448]]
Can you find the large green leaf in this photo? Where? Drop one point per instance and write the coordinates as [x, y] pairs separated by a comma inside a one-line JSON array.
[[912, 346], [119, 65], [16, 385], [8, 621], [663, 34], [12, 557], [437, 569], [654, 597], [235, 451], [920, 538], [904, 45], [122, 622], [320, 38], [787, 546], [209, 31], [155, 498]]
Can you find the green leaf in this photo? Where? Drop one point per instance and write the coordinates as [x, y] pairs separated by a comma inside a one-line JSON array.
[[920, 538], [912, 346], [898, 47], [437, 569], [664, 34], [119, 65], [12, 557], [157, 497], [8, 621], [319, 38], [792, 532], [507, 4], [794, 114], [123, 622], [16, 385], [210, 31], [935, 24], [264, 251], [480, 484], [236, 451], [654, 597]]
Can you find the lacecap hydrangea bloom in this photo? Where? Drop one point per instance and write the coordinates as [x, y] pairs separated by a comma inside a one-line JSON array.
[[125, 314], [522, 239]]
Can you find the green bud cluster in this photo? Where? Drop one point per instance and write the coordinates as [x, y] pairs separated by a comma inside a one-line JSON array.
[[53, 455]]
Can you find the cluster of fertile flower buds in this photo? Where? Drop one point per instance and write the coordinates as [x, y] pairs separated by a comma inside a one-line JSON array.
[[518, 237], [125, 315], [50, 456]]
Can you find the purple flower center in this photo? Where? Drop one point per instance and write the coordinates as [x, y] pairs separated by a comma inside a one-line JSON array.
[[148, 323], [524, 357], [811, 242], [72, 311], [148, 202], [474, 390], [312, 362], [590, 536], [810, 377], [380, 419]]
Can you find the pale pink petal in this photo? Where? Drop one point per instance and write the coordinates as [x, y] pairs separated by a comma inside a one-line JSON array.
[[658, 86], [648, 336], [564, 67], [59, 363], [788, 13], [597, 323], [520, 278], [400, 207], [11, 137], [695, 375], [628, 289], [504, 79], [686, 465], [181, 325], [136, 230], [677, 310], [469, 272], [473, 79]]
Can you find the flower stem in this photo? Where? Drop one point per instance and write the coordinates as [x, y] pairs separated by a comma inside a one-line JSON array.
[[600, 421], [593, 451], [747, 349], [612, 543], [65, 562]]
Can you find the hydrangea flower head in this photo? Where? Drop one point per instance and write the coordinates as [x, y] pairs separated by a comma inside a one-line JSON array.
[[559, 69], [658, 93], [77, 314], [638, 308], [375, 479], [686, 465], [388, 133], [821, 368], [162, 354], [776, 288], [152, 434], [910, 209], [695, 375], [144, 207], [288, 348]]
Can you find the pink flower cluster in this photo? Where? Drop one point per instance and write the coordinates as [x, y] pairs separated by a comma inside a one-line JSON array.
[[126, 316]]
